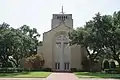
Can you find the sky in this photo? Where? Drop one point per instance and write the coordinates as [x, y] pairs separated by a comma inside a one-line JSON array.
[[38, 13]]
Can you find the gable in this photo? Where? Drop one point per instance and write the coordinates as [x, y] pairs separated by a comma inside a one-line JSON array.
[[61, 27]]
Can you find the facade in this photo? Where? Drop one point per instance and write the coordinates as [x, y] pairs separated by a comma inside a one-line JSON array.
[[58, 54]]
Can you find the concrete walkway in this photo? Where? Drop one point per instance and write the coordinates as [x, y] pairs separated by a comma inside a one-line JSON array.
[[71, 76], [58, 76], [62, 76]]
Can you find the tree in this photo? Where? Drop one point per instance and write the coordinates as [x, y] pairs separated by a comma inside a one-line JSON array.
[[113, 39], [33, 35], [89, 37], [100, 37], [18, 43]]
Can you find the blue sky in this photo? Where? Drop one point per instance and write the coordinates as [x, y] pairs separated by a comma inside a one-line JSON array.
[[38, 13]]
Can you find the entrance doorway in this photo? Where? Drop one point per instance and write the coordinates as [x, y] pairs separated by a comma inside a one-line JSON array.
[[62, 53], [66, 66]]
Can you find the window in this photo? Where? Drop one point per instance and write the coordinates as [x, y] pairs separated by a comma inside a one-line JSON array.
[[58, 37], [57, 65], [64, 37], [66, 44], [66, 66], [66, 17], [61, 17], [58, 44]]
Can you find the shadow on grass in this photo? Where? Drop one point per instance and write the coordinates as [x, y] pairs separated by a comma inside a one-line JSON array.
[[97, 75], [31, 74], [13, 74]]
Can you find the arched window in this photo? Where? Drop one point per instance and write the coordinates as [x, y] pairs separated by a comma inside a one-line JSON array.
[[106, 65]]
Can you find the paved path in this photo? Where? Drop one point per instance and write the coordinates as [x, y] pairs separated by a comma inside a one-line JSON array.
[[58, 76], [62, 76], [71, 76]]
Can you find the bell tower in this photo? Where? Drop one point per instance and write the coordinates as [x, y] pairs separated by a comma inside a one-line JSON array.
[[57, 19]]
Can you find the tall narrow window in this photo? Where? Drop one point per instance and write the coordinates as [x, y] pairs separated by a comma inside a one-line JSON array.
[[57, 65], [66, 66], [58, 44], [66, 17]]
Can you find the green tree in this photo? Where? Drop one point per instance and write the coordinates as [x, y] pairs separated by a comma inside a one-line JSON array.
[[100, 37], [18, 43], [89, 37], [113, 39]]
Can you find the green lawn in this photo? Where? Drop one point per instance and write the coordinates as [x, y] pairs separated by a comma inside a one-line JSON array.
[[96, 75], [26, 75]]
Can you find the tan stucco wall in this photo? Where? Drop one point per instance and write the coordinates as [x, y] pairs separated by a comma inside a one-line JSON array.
[[76, 57], [48, 40], [48, 48]]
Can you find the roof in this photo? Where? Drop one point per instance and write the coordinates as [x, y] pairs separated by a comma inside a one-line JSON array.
[[57, 27]]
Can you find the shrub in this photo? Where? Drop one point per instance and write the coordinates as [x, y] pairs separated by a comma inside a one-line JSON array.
[[47, 69], [86, 64], [9, 70], [113, 65], [113, 70], [34, 62], [73, 69]]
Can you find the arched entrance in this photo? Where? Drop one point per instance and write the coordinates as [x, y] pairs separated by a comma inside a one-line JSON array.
[[106, 65]]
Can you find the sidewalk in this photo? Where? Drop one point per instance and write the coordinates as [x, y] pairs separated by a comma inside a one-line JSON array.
[[62, 76]]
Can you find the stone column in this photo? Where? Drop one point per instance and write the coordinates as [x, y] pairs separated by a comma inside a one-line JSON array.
[[61, 57]]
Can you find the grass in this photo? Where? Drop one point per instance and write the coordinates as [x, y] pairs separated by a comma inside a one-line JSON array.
[[96, 75], [26, 75]]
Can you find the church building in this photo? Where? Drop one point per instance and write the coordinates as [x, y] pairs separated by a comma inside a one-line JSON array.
[[57, 53]]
